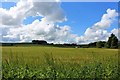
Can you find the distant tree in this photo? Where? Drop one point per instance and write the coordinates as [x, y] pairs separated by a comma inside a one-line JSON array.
[[92, 44], [39, 42], [100, 44], [119, 44], [112, 42], [106, 45]]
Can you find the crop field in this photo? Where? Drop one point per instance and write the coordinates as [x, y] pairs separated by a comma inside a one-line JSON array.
[[39, 62]]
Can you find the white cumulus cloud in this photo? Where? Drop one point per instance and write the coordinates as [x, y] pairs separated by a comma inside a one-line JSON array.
[[106, 20], [99, 30], [50, 11], [39, 30], [13, 29]]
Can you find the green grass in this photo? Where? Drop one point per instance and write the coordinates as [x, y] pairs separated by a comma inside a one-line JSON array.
[[53, 62]]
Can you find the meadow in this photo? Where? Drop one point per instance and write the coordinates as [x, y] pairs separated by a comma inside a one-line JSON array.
[[40, 62]]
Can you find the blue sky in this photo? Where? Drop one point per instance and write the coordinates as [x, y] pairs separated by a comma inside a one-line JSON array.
[[80, 15], [83, 15]]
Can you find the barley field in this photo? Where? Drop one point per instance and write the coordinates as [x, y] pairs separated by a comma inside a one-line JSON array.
[[39, 62]]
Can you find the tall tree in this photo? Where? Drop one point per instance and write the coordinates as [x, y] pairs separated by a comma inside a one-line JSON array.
[[112, 42]]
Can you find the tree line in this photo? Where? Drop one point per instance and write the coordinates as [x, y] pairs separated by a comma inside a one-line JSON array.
[[112, 42]]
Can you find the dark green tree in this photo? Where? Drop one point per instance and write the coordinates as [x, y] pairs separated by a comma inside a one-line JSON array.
[[119, 44], [112, 42], [106, 45], [100, 44]]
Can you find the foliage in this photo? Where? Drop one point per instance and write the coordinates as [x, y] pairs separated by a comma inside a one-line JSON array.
[[112, 42], [92, 44], [39, 42], [55, 63], [100, 44], [118, 44]]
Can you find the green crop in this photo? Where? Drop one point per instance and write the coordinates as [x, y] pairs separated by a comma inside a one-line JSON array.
[[55, 63]]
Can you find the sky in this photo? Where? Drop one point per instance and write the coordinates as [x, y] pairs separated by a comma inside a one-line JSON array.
[[55, 22]]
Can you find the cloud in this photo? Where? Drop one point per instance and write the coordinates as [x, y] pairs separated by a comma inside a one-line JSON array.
[[99, 30], [39, 30], [50, 11], [116, 32], [13, 30], [106, 20], [15, 15], [93, 35]]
